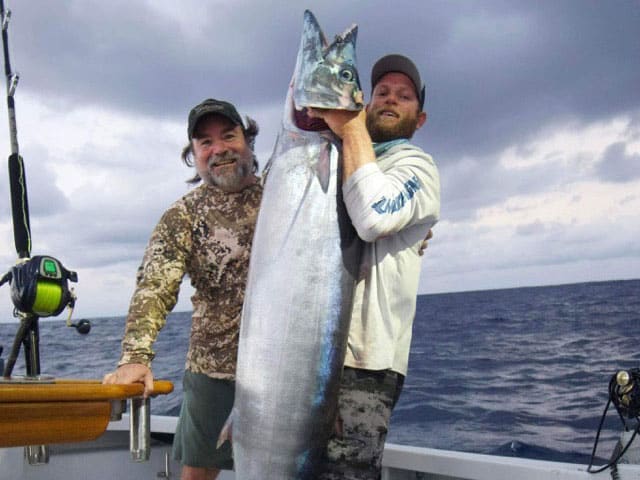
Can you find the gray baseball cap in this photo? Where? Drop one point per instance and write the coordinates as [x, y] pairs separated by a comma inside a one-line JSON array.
[[401, 64]]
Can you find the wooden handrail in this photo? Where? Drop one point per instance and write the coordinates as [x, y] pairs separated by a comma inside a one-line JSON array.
[[66, 410], [63, 390]]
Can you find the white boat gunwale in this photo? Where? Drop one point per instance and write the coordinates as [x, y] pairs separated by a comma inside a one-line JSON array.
[[402, 462]]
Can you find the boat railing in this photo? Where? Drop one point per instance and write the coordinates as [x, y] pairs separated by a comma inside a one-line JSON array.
[[403, 462]]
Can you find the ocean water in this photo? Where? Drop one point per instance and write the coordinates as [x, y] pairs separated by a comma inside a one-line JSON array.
[[520, 372]]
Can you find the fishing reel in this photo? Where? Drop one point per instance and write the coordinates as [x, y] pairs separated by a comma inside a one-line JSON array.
[[624, 392], [39, 286]]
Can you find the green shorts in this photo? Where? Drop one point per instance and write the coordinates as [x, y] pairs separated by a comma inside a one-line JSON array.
[[206, 405]]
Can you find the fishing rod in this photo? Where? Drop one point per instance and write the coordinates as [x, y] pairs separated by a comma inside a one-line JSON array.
[[19, 203], [39, 285]]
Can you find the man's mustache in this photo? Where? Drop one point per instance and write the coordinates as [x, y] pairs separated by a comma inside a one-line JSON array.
[[223, 158]]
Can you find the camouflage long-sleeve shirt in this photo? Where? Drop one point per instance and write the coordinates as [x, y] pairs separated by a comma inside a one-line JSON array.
[[207, 235]]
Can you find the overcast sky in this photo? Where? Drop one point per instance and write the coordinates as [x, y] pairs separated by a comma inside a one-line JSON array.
[[534, 122]]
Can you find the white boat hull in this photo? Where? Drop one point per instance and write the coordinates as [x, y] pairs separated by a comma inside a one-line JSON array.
[[108, 458]]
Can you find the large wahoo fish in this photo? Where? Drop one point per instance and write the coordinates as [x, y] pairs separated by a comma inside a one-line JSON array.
[[304, 262]]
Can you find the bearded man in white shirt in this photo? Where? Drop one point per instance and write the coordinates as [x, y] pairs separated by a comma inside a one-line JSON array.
[[391, 189]]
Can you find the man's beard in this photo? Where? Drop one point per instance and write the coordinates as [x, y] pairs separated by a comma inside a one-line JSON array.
[[230, 181], [379, 132]]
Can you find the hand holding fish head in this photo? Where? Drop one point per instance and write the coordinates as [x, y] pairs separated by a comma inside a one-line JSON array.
[[339, 121]]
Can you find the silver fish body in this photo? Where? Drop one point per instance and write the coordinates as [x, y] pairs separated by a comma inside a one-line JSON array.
[[304, 262]]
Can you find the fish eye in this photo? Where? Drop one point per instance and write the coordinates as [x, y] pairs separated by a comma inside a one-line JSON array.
[[346, 75]]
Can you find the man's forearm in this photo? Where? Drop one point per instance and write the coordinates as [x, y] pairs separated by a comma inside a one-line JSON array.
[[357, 149]]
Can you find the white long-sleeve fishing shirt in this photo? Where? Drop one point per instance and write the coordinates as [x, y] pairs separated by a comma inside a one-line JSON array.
[[392, 203]]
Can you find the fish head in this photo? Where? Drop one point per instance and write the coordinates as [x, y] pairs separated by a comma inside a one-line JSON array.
[[326, 75]]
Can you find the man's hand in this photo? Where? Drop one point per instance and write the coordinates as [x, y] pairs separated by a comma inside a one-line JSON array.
[[425, 243], [339, 121], [132, 373]]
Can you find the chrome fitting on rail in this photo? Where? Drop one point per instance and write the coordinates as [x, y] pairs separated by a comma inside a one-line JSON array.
[[140, 429]]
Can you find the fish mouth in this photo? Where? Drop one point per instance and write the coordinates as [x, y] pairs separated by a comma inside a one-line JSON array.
[[304, 121]]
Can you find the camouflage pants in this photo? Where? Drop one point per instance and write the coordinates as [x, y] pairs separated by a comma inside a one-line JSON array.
[[365, 403]]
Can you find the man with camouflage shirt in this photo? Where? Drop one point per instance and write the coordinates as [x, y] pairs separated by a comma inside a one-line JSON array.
[[207, 235]]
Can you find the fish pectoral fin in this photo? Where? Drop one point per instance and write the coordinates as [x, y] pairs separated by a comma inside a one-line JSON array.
[[323, 167], [226, 433]]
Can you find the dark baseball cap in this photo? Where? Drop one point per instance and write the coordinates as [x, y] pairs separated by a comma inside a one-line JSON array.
[[401, 64], [212, 106]]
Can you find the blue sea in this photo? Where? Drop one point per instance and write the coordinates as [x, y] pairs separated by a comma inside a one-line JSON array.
[[520, 372]]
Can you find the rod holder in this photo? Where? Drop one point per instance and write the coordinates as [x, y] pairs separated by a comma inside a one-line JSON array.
[[140, 429], [118, 407], [37, 454]]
